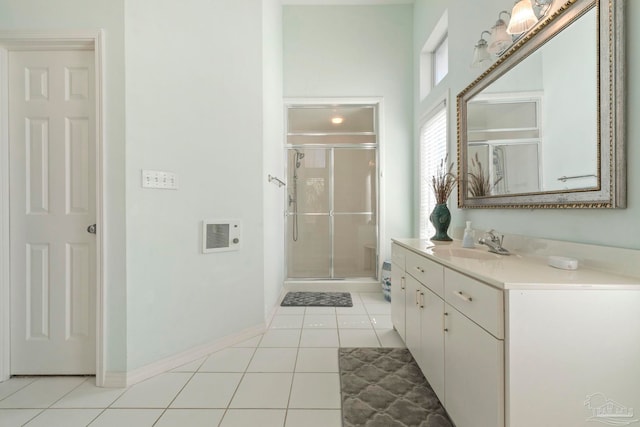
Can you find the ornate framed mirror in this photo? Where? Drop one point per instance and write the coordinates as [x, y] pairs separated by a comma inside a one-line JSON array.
[[543, 127]]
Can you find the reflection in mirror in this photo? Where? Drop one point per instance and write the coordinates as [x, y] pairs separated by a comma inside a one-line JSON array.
[[534, 130], [519, 128], [504, 143], [491, 169]]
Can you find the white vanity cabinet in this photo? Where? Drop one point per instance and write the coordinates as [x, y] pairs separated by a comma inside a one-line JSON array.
[[573, 357], [513, 342], [424, 315], [425, 318], [432, 340], [413, 318], [425, 332], [398, 290], [474, 352], [446, 316]]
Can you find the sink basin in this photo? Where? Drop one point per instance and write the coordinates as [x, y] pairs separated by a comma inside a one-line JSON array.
[[464, 253]]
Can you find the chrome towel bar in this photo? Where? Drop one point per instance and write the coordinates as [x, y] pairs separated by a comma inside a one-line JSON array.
[[278, 181]]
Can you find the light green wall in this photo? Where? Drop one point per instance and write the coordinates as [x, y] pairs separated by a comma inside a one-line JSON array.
[[360, 51], [620, 227], [194, 107], [273, 121]]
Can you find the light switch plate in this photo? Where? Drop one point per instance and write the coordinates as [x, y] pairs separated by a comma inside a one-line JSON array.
[[159, 179]]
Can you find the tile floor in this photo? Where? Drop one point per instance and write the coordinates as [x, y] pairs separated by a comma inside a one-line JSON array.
[[287, 377]]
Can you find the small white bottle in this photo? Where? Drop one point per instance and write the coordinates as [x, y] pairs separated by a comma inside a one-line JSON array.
[[467, 239]]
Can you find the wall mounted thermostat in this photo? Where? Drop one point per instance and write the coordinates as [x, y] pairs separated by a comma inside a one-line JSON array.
[[221, 235]]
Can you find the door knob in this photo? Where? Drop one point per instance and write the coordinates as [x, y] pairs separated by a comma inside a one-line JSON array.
[[91, 229]]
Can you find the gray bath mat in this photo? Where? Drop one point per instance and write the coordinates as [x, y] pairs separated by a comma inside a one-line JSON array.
[[384, 387], [317, 299]]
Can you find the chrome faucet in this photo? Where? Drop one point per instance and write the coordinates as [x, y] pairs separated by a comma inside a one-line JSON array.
[[494, 243]]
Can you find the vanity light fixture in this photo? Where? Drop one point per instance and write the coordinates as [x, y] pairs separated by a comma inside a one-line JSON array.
[[523, 17], [481, 55], [500, 40]]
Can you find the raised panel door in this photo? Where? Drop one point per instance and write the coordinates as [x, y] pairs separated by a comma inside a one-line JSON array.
[[52, 201]]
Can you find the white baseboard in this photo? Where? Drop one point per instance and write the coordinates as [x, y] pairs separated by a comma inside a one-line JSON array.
[[114, 380], [118, 379], [274, 309]]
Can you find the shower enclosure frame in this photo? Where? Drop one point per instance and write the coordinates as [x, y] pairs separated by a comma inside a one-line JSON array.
[[376, 104]]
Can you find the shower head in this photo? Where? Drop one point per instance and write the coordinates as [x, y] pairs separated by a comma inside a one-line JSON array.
[[299, 156]]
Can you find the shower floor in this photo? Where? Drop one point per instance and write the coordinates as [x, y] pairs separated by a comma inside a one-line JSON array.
[[341, 285]]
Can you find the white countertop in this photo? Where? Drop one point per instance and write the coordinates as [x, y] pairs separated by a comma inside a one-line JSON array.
[[515, 271]]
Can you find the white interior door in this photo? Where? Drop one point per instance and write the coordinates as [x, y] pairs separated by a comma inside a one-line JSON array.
[[52, 202]]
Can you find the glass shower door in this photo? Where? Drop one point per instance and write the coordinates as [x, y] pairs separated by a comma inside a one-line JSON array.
[[354, 220], [332, 205], [331, 213], [308, 213]]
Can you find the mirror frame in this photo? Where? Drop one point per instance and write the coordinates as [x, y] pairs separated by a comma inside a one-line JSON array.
[[611, 192]]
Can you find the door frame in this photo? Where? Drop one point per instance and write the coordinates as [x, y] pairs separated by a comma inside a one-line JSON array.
[[378, 101], [91, 40]]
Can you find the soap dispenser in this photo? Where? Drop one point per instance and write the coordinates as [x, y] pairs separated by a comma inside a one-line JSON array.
[[467, 239]]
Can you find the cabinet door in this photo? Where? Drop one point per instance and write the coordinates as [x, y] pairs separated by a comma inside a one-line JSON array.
[[474, 373], [398, 293], [432, 339], [575, 353], [412, 336]]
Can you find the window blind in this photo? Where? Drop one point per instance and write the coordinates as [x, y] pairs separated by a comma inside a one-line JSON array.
[[433, 149]]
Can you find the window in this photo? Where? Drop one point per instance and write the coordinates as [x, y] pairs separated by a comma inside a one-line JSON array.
[[441, 61], [433, 149], [434, 57]]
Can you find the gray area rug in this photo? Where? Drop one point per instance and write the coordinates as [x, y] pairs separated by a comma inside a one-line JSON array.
[[317, 299], [384, 387]]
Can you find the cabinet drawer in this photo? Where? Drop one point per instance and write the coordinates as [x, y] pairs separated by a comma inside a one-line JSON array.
[[427, 272], [478, 301], [398, 255]]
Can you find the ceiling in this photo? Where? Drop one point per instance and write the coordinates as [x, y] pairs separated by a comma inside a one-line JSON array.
[[344, 2]]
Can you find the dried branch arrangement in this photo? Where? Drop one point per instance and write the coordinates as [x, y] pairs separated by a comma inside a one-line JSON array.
[[443, 182], [479, 182]]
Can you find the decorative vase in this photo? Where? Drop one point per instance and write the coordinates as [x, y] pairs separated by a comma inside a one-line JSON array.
[[441, 218]]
